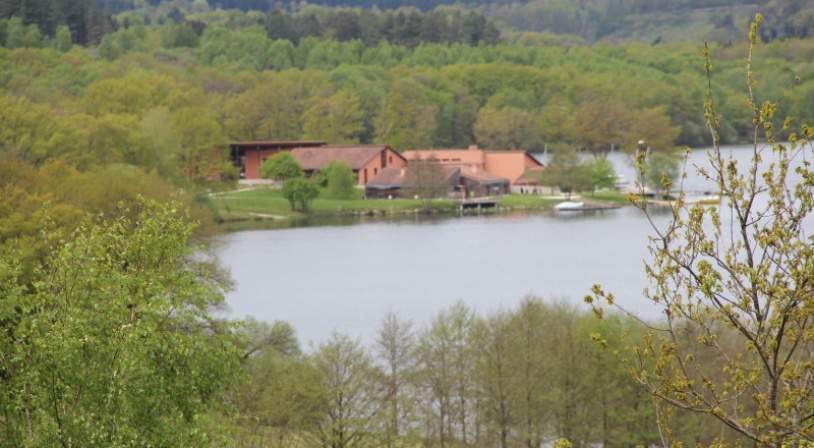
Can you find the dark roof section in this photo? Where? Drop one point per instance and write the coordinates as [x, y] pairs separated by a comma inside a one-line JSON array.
[[387, 178], [483, 177], [356, 156], [534, 159], [394, 177], [276, 144]]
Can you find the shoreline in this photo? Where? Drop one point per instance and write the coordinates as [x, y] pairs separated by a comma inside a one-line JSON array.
[[266, 209]]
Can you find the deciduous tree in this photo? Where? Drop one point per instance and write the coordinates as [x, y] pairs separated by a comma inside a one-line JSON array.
[[155, 358], [352, 399], [735, 284], [341, 181], [299, 192], [566, 172], [281, 167], [336, 119]]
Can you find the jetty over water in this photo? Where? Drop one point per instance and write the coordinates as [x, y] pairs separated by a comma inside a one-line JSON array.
[[478, 203]]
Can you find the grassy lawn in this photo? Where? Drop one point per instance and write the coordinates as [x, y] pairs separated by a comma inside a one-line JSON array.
[[266, 201], [613, 197], [527, 201]]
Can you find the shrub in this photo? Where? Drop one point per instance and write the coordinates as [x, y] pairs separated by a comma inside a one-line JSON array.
[[299, 192], [281, 167], [341, 181]]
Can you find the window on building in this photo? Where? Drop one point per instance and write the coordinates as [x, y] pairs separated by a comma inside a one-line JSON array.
[[383, 160]]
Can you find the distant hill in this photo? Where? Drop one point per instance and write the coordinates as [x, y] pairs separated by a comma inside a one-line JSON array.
[[657, 20], [648, 21], [642, 20]]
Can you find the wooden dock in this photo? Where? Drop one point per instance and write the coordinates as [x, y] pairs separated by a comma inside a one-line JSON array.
[[478, 204]]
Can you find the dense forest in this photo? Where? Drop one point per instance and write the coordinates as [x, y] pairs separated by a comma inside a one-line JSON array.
[[156, 101], [164, 98], [592, 20], [643, 20]]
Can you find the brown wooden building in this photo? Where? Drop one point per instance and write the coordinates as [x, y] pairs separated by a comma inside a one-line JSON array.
[[249, 155], [366, 161]]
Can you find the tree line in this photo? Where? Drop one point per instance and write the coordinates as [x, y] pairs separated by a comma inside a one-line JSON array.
[[402, 27], [528, 376], [85, 19], [165, 100], [720, 20]]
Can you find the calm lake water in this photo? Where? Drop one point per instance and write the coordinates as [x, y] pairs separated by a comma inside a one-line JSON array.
[[345, 278]]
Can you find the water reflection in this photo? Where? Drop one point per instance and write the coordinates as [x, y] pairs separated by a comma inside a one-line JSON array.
[[325, 275]]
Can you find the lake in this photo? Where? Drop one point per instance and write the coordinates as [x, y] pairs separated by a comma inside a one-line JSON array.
[[347, 277]]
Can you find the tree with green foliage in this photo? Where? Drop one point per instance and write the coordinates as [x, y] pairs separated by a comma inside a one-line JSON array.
[[600, 124], [407, 119], [63, 40], [336, 119], [27, 130], [20, 35], [507, 128], [566, 172], [299, 192], [351, 397], [175, 35], [282, 399], [273, 108], [281, 167], [108, 48], [154, 358], [201, 138], [556, 121], [492, 343], [341, 180], [603, 175], [660, 170], [395, 346]]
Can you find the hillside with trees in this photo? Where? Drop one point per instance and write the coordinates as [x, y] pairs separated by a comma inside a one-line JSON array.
[[109, 149], [158, 101], [641, 20]]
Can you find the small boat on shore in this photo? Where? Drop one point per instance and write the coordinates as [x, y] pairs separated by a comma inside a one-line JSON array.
[[569, 206]]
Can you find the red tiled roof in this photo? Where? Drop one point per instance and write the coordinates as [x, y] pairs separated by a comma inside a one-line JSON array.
[[356, 156]]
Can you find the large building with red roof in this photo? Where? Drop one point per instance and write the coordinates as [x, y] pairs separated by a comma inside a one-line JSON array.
[[480, 172], [482, 163], [247, 156], [366, 161]]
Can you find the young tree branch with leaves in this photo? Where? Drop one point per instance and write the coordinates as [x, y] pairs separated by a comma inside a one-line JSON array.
[[735, 284]]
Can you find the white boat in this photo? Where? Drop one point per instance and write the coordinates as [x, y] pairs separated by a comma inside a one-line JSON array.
[[569, 206]]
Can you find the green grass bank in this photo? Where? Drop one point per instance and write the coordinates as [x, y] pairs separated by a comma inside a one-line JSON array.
[[268, 204]]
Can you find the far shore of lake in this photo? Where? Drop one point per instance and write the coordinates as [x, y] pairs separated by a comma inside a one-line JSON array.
[[263, 204]]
